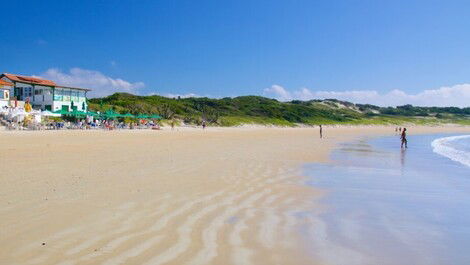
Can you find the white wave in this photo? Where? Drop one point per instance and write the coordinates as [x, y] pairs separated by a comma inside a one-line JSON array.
[[445, 147]]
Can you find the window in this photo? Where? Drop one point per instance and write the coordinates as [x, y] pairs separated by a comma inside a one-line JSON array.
[[27, 92], [66, 95], [58, 95], [74, 95], [81, 95], [37, 92]]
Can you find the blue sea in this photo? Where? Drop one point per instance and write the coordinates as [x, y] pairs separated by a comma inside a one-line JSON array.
[[387, 205]]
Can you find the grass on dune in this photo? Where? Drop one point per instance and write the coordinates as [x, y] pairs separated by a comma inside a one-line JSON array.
[[265, 111]]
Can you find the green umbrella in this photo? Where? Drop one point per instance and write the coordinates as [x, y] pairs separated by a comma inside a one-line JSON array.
[[128, 115], [110, 114], [62, 112], [142, 116], [77, 113], [91, 113]]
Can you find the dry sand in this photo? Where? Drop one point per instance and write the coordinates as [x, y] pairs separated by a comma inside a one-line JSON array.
[[220, 196]]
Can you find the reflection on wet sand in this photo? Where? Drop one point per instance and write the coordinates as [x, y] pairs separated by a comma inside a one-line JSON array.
[[402, 159], [389, 205]]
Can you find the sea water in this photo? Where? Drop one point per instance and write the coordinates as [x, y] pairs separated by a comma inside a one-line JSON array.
[[456, 148], [387, 205]]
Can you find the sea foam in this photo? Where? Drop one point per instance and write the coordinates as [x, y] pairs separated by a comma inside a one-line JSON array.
[[454, 147]]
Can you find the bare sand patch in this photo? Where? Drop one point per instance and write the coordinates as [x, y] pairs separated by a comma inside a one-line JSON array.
[[219, 196]]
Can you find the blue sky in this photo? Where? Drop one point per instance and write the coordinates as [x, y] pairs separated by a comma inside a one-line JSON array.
[[365, 51]]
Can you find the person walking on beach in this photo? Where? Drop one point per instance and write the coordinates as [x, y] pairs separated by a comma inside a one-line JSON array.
[[203, 125], [321, 132], [403, 139]]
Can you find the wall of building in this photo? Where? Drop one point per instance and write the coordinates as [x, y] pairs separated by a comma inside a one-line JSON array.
[[22, 91], [65, 97], [5, 93], [42, 97], [50, 98], [19, 103], [4, 97], [58, 105]]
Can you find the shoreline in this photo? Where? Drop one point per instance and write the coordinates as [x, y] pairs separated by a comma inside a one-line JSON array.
[[223, 195], [381, 204]]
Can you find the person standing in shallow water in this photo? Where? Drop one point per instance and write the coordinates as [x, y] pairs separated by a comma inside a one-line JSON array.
[[321, 132], [403, 138]]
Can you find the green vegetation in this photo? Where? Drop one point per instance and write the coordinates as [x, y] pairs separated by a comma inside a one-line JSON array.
[[266, 111]]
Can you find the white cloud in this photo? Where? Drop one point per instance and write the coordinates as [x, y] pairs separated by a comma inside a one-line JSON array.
[[100, 84], [279, 92], [171, 95], [457, 95], [187, 95]]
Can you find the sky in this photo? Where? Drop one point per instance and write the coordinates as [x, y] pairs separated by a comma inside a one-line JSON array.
[[367, 51]]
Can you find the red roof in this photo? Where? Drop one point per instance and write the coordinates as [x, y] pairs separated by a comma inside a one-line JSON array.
[[29, 80], [5, 83]]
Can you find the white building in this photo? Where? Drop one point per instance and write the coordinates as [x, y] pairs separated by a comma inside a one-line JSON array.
[[45, 94], [5, 88]]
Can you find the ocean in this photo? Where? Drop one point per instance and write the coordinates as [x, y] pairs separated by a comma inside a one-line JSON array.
[[386, 205], [456, 148]]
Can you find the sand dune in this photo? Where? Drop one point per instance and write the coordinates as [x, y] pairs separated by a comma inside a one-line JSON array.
[[220, 196]]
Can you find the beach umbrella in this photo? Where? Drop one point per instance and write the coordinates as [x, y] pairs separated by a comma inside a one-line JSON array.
[[62, 112], [128, 115], [91, 113], [4, 110], [77, 113], [47, 113], [142, 116], [110, 114], [17, 112]]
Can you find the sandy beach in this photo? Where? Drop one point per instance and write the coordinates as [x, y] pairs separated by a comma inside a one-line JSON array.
[[219, 196]]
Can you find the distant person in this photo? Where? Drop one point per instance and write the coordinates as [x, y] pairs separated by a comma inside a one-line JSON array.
[[172, 124], [399, 129], [203, 125], [321, 131], [403, 139]]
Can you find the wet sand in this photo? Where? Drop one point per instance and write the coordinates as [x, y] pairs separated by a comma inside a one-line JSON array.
[[220, 196], [390, 206]]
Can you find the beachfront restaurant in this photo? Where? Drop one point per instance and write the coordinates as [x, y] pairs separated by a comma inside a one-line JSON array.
[[5, 88], [45, 94]]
